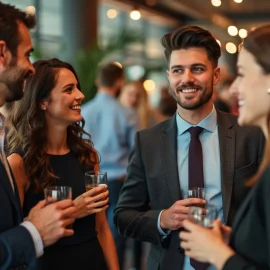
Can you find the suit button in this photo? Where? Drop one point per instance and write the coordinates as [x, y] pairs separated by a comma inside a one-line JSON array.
[[181, 250]]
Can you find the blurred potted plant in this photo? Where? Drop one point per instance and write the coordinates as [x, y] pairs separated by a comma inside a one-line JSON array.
[[87, 60]]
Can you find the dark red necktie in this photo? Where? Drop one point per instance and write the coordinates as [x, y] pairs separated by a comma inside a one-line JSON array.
[[195, 174], [195, 159]]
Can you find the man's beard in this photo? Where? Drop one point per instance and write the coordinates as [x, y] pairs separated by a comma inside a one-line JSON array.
[[15, 91], [14, 81], [193, 106]]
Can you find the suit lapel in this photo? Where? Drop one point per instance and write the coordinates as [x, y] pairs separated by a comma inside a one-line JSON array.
[[169, 154], [9, 191], [227, 159]]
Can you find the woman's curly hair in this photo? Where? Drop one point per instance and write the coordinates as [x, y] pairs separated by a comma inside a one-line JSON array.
[[27, 128]]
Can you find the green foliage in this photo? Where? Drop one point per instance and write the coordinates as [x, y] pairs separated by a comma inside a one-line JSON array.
[[87, 60]]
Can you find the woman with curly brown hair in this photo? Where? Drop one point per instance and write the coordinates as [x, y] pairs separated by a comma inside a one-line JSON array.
[[47, 148]]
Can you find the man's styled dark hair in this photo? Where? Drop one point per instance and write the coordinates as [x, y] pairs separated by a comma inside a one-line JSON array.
[[108, 74], [191, 36], [9, 18]]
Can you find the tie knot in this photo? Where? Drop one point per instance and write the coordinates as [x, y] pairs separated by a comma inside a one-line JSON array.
[[195, 131]]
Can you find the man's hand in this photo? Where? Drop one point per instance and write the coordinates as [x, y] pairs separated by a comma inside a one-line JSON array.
[[173, 217], [51, 220], [93, 201]]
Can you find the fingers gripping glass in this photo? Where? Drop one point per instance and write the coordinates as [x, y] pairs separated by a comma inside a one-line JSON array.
[[94, 179], [203, 216]]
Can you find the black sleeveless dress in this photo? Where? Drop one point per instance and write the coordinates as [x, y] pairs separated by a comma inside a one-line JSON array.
[[82, 250]]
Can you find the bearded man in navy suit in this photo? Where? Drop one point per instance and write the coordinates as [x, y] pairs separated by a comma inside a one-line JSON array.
[[22, 241]]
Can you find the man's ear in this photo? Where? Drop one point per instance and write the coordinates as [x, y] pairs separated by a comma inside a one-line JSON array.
[[5, 54], [216, 76]]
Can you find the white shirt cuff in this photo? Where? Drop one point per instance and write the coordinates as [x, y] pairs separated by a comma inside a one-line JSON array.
[[164, 234], [38, 243]]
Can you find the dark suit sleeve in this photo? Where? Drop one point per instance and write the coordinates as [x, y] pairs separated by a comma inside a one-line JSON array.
[[239, 263], [262, 202], [16, 248], [133, 215]]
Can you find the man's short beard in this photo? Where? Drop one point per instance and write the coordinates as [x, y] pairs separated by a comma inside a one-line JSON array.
[[191, 107]]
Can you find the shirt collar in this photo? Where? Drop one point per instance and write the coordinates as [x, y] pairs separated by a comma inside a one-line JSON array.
[[209, 122]]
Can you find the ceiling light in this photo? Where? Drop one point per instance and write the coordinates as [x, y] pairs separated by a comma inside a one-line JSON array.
[[118, 64], [231, 47], [242, 33], [238, 1], [216, 3], [31, 10], [111, 13], [135, 14], [149, 86], [232, 30]]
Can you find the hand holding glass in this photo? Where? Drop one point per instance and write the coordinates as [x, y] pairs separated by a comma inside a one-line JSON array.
[[194, 193], [58, 193], [94, 179]]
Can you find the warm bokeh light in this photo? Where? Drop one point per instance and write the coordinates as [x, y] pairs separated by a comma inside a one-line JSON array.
[[30, 10], [231, 48], [149, 86], [238, 1], [118, 64], [242, 33], [219, 43], [112, 13], [232, 30], [135, 14], [216, 3]]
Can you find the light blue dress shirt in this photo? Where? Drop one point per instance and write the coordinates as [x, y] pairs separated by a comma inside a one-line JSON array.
[[211, 163], [112, 128]]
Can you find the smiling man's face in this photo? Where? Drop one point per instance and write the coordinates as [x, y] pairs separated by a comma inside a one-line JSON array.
[[192, 76]]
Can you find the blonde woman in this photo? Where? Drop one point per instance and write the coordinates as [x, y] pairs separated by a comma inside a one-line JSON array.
[[134, 96]]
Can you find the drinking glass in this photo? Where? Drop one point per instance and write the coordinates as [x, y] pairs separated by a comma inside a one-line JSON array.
[[196, 192], [58, 193], [95, 179], [203, 216]]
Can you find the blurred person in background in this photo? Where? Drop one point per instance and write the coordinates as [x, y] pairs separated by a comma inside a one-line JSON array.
[[166, 106], [224, 100], [247, 245], [47, 149], [134, 96], [112, 128]]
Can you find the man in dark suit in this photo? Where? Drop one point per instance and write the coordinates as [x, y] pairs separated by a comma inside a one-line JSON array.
[[22, 241], [151, 206]]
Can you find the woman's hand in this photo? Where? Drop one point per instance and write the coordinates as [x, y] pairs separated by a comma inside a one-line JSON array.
[[92, 201], [206, 245], [226, 232]]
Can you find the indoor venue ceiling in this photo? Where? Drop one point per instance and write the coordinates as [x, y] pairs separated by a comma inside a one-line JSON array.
[[248, 14]]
